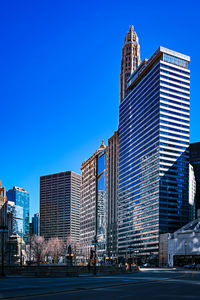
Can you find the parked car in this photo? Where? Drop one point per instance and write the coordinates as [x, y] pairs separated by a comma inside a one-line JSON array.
[[146, 265], [197, 267], [189, 266]]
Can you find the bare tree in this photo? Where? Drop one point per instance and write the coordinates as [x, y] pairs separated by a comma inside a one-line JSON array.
[[39, 248], [55, 248]]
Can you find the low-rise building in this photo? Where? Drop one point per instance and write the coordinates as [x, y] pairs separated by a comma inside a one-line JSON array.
[[184, 245]]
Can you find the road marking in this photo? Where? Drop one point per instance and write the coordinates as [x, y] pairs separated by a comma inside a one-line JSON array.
[[105, 287]]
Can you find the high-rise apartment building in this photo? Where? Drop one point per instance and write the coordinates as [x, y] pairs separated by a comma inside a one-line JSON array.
[[93, 202], [153, 152], [112, 159], [21, 198], [195, 162], [60, 205], [130, 59]]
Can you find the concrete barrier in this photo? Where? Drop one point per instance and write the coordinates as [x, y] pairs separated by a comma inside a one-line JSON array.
[[61, 270]]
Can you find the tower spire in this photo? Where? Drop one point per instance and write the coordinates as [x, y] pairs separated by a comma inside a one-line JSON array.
[[130, 59]]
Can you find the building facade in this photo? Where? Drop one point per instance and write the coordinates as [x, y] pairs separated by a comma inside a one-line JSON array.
[[3, 206], [184, 245], [153, 152], [195, 162], [130, 59], [112, 164], [3, 222], [60, 205], [92, 204], [192, 193], [21, 198], [163, 249]]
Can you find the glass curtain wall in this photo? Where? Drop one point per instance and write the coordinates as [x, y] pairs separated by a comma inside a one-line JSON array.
[[153, 153]]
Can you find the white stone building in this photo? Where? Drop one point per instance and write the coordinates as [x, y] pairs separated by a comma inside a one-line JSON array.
[[184, 244]]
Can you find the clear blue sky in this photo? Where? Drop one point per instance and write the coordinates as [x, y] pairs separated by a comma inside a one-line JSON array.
[[59, 85]]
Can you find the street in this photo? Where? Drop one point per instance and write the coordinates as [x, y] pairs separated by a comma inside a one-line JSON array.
[[147, 284]]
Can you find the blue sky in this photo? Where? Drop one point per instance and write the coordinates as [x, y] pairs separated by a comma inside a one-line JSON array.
[[60, 66]]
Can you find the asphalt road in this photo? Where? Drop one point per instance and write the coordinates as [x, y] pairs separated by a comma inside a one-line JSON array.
[[148, 284]]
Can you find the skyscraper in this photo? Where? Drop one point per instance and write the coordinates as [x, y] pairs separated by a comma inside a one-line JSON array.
[[130, 59], [195, 162], [15, 218], [36, 224], [112, 164], [153, 152], [93, 202], [60, 205], [21, 198]]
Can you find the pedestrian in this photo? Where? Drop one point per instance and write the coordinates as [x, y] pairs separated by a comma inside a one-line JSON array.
[[127, 266]]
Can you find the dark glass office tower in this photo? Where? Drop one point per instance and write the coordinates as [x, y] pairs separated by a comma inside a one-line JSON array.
[[195, 162], [153, 152], [36, 224]]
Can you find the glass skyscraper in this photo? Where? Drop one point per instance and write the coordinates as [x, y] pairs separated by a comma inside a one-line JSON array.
[[153, 152], [15, 218], [36, 224], [22, 199]]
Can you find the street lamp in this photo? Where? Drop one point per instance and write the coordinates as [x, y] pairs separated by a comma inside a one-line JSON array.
[[136, 252], [21, 248], [130, 259], [185, 250], [95, 243]]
